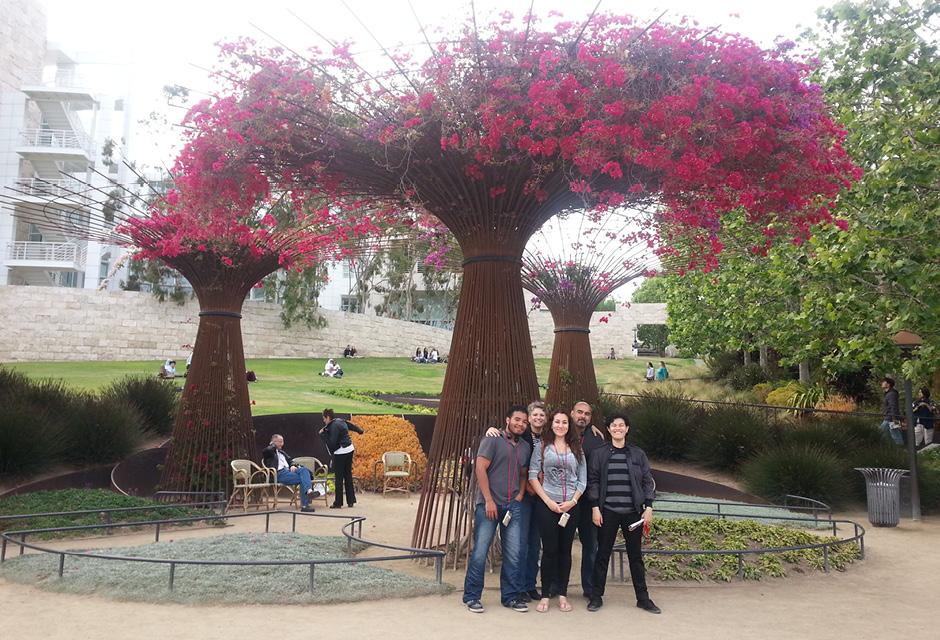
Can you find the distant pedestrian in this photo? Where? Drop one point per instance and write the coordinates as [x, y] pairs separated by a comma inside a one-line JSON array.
[[612, 355], [925, 412], [662, 374], [650, 372], [891, 411]]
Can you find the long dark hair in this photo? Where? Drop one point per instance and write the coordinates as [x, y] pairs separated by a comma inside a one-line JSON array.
[[571, 437]]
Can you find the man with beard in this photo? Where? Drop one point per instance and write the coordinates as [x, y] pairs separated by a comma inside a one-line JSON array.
[[591, 439]]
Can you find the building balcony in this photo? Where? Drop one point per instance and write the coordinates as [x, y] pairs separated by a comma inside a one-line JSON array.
[[46, 255], [56, 139], [62, 191]]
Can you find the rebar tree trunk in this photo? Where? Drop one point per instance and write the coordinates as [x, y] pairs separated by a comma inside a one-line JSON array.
[[571, 376], [490, 368], [213, 425]]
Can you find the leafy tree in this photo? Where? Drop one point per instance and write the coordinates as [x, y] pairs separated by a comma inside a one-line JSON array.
[[650, 290], [655, 336]]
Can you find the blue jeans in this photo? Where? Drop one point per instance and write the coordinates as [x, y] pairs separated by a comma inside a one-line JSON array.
[[531, 544], [301, 477], [484, 530], [587, 534], [894, 434]]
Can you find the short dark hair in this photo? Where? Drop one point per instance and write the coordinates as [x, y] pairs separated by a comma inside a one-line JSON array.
[[328, 413], [622, 415], [924, 391], [521, 408], [889, 380]]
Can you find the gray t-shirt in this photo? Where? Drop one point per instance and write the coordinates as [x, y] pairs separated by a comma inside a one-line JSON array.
[[507, 461]]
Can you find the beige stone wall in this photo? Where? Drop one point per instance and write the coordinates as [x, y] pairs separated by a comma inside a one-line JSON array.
[[45, 323]]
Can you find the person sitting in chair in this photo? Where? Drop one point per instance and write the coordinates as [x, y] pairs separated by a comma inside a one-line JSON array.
[[273, 456]]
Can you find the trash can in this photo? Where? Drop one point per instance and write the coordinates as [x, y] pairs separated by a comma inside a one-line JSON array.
[[883, 487]]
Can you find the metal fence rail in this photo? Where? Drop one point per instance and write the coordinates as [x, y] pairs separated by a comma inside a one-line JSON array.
[[352, 531]]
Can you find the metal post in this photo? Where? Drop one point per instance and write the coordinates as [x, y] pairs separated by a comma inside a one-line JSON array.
[[826, 558], [61, 564], [718, 504], [156, 536], [172, 574], [312, 569], [267, 522], [912, 450], [741, 566], [861, 543], [23, 541], [293, 524], [439, 569], [3, 550]]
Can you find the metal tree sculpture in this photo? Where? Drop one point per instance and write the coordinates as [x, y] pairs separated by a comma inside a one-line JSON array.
[[572, 276], [502, 127]]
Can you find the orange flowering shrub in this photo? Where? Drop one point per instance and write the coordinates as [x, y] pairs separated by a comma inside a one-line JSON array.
[[836, 402], [384, 433]]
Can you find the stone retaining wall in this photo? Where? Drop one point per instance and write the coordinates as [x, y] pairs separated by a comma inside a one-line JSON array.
[[46, 323]]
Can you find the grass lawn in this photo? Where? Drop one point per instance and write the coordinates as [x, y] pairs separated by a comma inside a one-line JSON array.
[[292, 385]]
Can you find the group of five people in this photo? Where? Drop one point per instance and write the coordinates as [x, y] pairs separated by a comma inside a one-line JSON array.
[[542, 479]]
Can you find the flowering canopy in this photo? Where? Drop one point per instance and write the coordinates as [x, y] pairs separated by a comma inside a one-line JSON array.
[[523, 121]]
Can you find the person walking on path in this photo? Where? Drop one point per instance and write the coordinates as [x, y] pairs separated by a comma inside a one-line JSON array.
[[662, 374], [620, 492], [558, 475], [335, 433], [501, 470], [925, 411], [591, 438], [891, 411]]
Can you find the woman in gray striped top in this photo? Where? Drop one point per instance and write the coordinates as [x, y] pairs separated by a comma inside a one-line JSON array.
[[558, 475]]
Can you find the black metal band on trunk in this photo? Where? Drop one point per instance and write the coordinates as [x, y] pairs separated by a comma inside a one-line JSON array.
[[492, 259], [572, 330], [221, 314]]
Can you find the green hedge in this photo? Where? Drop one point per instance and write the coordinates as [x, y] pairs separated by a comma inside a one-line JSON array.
[[728, 436]]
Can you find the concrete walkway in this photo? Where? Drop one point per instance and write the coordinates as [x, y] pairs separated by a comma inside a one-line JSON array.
[[892, 593]]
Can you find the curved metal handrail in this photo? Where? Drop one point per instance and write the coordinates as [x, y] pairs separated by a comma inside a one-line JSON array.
[[348, 530]]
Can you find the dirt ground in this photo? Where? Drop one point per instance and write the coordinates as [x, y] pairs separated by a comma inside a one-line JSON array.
[[893, 591]]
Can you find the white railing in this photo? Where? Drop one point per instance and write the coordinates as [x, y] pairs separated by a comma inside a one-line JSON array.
[[58, 138], [65, 188], [47, 252]]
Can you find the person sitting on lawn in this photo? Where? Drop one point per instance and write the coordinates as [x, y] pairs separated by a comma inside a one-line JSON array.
[[419, 356], [168, 370], [273, 456], [435, 356], [348, 352], [332, 370]]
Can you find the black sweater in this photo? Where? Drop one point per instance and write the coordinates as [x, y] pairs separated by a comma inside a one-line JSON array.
[[336, 434]]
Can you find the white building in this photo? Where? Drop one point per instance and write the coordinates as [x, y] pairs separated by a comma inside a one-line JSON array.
[[54, 142]]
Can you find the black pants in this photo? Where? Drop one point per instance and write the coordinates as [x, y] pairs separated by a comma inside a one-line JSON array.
[[342, 472], [605, 544], [556, 548], [587, 534]]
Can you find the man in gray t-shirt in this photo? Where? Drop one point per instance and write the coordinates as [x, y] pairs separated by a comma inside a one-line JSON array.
[[501, 469]]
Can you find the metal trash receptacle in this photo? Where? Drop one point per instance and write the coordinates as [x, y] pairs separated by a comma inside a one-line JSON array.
[[883, 488]]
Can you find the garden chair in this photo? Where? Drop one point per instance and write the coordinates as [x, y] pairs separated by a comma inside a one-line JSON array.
[[319, 473], [398, 467], [250, 482], [277, 486]]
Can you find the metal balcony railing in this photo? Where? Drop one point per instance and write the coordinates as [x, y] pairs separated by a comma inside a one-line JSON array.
[[56, 138], [67, 252], [71, 190]]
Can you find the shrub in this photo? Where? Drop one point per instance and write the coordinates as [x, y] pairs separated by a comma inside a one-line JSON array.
[[155, 399], [30, 439], [808, 471], [99, 430], [722, 364], [384, 433], [929, 476], [838, 434], [663, 425], [761, 390], [836, 402], [728, 436], [784, 396], [742, 378]]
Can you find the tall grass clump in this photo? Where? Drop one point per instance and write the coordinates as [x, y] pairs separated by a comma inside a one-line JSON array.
[[745, 377], [809, 471], [100, 430], [155, 399], [728, 436], [30, 440], [663, 424]]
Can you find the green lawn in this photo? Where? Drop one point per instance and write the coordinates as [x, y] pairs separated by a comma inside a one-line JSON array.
[[292, 385]]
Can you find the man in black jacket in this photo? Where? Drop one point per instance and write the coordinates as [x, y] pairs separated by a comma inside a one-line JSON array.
[[273, 456], [890, 408], [620, 491], [335, 435], [591, 439]]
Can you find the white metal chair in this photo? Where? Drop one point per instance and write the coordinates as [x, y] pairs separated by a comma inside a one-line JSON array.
[[319, 474], [398, 468], [250, 482]]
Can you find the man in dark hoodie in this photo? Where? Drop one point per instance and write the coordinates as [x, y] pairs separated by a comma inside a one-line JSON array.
[[591, 438], [890, 408], [335, 435]]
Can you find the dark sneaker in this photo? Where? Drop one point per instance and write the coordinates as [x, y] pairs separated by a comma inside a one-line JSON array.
[[648, 605], [308, 509], [314, 494], [336, 506], [534, 595], [517, 605], [596, 603], [475, 606], [524, 596]]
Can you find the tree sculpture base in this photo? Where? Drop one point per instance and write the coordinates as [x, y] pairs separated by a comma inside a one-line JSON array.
[[571, 378], [492, 344]]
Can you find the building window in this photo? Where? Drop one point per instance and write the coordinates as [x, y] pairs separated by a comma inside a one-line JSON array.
[[35, 235], [347, 270], [350, 304]]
